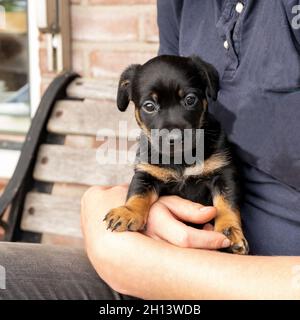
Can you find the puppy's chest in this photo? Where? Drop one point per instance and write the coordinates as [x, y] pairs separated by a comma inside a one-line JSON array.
[[191, 182], [184, 174], [196, 190]]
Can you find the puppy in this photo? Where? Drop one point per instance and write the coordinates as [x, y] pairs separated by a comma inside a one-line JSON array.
[[171, 93]]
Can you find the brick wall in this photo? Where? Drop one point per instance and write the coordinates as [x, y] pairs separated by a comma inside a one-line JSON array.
[[3, 183], [108, 35]]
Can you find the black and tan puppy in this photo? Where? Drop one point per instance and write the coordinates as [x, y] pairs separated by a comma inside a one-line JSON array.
[[172, 92]]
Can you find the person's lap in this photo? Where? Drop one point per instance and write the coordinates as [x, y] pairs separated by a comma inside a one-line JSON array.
[[36, 271]]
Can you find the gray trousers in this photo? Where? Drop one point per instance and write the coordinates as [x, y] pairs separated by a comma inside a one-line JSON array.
[[33, 271]]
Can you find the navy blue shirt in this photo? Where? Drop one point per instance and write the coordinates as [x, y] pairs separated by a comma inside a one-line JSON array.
[[256, 51]]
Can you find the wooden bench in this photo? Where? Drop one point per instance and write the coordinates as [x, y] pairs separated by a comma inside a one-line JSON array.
[[58, 160]]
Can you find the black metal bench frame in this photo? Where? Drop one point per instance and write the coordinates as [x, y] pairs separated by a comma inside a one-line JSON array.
[[22, 180]]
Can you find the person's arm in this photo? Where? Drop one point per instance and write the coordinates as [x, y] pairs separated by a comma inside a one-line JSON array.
[[137, 265]]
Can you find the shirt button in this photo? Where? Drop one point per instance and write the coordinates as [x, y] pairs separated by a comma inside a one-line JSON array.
[[226, 45], [239, 7]]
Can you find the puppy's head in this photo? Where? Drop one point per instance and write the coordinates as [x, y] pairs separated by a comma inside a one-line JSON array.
[[169, 92]]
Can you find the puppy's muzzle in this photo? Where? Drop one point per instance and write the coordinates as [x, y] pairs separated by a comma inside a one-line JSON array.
[[174, 138]]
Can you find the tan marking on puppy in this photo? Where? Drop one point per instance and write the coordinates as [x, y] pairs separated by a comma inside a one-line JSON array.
[[181, 93], [228, 222], [140, 123], [205, 104], [162, 174], [213, 163], [154, 96], [124, 83], [133, 215]]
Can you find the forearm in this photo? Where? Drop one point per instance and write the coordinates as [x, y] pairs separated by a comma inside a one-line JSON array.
[[137, 265], [156, 270]]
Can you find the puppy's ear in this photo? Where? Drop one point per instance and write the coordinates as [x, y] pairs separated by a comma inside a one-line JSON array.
[[209, 75], [125, 86]]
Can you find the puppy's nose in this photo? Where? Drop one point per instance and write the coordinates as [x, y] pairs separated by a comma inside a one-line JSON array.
[[174, 137]]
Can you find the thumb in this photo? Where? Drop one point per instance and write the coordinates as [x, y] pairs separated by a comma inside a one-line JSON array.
[[163, 225], [187, 210]]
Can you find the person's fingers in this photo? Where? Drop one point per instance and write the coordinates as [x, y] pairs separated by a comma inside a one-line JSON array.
[[150, 234], [187, 210], [208, 227], [163, 225], [206, 239]]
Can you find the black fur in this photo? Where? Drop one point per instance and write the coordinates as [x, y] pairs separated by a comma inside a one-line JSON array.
[[165, 76]]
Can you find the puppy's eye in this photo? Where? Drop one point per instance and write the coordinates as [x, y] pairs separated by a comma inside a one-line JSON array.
[[150, 106], [190, 100]]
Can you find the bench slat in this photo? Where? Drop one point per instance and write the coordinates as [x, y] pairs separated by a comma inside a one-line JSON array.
[[84, 88], [88, 116], [46, 213], [56, 163], [69, 190]]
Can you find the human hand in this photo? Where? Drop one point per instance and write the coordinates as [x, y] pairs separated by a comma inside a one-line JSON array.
[[136, 252], [166, 222]]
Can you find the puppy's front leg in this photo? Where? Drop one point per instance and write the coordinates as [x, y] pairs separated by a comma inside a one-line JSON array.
[[134, 214], [226, 200]]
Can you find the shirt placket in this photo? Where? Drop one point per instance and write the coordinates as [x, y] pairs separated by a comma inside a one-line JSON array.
[[229, 28]]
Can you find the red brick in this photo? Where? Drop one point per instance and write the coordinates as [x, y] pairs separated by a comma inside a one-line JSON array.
[[109, 24], [121, 2], [150, 26], [3, 183], [111, 64], [44, 63], [2, 233], [12, 138], [77, 61], [42, 38], [44, 87], [45, 83]]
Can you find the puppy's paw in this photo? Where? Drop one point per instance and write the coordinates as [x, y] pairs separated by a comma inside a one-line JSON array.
[[125, 219], [239, 244]]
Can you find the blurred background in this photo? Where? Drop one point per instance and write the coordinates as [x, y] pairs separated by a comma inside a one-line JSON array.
[[40, 38]]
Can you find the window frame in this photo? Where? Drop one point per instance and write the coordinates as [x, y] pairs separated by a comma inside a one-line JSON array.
[[34, 76], [19, 125]]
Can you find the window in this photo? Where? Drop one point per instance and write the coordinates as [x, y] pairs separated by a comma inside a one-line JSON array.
[[19, 89], [14, 67]]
